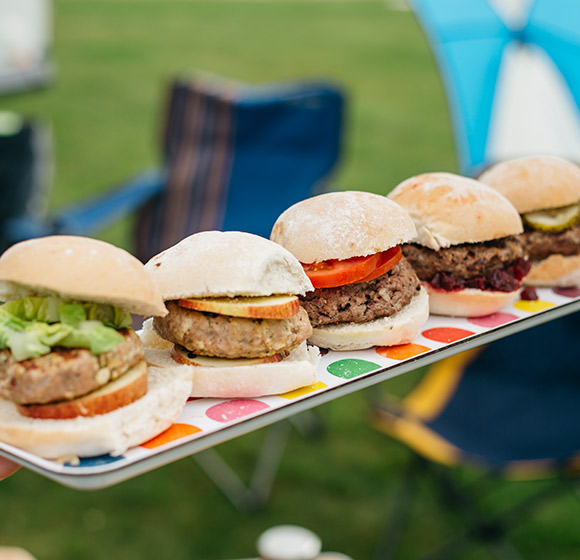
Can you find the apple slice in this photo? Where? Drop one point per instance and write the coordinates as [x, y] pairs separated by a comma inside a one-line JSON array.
[[122, 391], [183, 356], [270, 307]]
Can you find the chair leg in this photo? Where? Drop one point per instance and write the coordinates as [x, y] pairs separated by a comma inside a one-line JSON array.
[[252, 496]]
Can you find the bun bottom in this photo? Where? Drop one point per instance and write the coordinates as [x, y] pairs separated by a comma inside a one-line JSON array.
[[556, 271], [297, 370], [400, 328], [467, 303], [112, 433]]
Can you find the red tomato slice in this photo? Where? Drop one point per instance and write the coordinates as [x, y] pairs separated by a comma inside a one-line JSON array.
[[387, 260], [335, 272]]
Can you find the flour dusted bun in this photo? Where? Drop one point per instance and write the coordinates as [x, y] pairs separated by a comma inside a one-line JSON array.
[[449, 209], [555, 270], [78, 268], [468, 302], [536, 182], [226, 264], [400, 328], [114, 432], [341, 225], [298, 369]]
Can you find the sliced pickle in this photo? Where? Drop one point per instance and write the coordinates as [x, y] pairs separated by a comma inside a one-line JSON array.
[[553, 219]]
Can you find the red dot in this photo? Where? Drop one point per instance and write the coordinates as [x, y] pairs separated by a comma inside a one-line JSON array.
[[493, 320], [446, 334], [572, 292], [234, 409]]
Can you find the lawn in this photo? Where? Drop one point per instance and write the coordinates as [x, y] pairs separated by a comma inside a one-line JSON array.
[[114, 60]]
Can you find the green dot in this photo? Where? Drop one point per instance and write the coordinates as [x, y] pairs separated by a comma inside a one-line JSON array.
[[349, 368]]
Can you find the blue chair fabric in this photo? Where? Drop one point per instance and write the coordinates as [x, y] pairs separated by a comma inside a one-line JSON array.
[[237, 156]]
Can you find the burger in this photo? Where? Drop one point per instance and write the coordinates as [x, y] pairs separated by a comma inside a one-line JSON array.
[[73, 379], [366, 293], [234, 316], [467, 252], [546, 192]]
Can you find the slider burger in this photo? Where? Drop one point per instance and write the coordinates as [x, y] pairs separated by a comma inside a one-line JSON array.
[[73, 380], [366, 293], [467, 252], [546, 192], [234, 315]]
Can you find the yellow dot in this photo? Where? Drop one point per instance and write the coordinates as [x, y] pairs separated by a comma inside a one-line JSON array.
[[303, 390], [533, 306]]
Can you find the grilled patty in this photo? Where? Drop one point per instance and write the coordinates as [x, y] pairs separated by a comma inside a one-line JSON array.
[[358, 303], [467, 260], [66, 373], [540, 245], [209, 334]]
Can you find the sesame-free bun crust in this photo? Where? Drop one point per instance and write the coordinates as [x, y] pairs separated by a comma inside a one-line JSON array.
[[114, 432], [449, 209], [556, 270], [296, 370], [226, 264], [78, 268], [467, 303], [400, 328], [536, 182], [341, 225]]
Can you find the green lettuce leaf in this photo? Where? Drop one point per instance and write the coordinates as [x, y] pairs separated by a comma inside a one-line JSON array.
[[32, 326]]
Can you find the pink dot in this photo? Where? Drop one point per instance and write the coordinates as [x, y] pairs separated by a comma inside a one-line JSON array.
[[493, 320], [446, 334], [568, 292], [234, 409]]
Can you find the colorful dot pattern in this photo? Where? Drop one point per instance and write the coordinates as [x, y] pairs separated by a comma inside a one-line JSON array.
[[202, 417]]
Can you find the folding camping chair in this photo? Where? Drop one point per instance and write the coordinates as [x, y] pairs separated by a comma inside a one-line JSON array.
[[510, 408], [234, 156]]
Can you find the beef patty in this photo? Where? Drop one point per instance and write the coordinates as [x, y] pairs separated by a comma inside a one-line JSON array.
[[467, 260], [541, 244], [497, 265], [66, 373], [364, 301], [209, 334]]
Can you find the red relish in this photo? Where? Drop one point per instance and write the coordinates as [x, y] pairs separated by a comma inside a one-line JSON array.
[[498, 280]]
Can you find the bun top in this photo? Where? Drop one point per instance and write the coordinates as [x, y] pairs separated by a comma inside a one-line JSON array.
[[78, 268], [450, 209], [226, 264], [535, 183], [341, 225]]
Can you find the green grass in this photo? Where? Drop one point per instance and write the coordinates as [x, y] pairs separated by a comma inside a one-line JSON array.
[[114, 60]]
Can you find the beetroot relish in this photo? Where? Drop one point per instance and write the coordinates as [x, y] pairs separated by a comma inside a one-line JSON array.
[[498, 280]]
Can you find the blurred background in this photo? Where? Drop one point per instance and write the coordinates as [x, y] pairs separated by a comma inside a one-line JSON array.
[[104, 72]]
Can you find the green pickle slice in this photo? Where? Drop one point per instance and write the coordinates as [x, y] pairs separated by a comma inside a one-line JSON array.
[[553, 219]]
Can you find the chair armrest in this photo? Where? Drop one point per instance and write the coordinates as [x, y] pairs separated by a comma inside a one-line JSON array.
[[93, 215]]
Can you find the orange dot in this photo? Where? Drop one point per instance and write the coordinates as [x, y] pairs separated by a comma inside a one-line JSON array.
[[402, 351], [446, 334], [173, 433]]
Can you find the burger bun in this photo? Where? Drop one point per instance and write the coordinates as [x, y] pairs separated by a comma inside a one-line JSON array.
[[469, 302], [449, 209], [341, 225], [535, 182], [226, 264]]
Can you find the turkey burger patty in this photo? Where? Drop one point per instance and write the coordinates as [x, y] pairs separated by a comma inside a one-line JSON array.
[[211, 334]]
